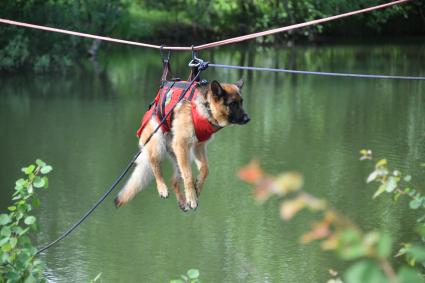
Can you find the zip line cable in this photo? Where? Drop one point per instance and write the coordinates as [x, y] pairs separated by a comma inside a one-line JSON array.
[[124, 172], [211, 44], [350, 75]]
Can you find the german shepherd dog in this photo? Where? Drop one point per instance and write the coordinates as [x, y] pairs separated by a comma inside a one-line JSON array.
[[219, 104]]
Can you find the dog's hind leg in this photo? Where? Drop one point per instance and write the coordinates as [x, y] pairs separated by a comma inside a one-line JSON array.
[[200, 154]]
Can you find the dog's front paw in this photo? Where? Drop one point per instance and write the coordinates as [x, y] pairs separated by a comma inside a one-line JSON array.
[[184, 207], [192, 203], [163, 191], [163, 194]]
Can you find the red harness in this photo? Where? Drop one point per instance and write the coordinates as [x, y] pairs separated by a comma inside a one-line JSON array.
[[167, 96]]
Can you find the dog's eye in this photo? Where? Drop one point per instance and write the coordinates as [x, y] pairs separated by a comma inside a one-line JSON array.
[[233, 104]]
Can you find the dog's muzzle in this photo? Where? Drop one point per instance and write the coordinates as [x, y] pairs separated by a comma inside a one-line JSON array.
[[245, 119]]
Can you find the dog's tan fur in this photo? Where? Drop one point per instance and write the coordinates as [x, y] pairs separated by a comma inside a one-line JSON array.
[[181, 145]]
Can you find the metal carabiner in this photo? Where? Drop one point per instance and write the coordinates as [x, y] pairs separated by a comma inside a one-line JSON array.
[[194, 52], [195, 62], [198, 63], [165, 60]]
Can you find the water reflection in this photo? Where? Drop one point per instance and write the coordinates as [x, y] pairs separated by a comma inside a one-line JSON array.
[[85, 126]]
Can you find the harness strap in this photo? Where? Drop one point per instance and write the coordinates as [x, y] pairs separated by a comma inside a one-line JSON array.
[[190, 97], [175, 84], [166, 68], [160, 109]]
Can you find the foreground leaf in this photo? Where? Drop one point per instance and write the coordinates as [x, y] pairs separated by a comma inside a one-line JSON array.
[[379, 191], [415, 204], [4, 219], [193, 273], [409, 275], [251, 173], [46, 169], [29, 220], [38, 182], [364, 272], [391, 184]]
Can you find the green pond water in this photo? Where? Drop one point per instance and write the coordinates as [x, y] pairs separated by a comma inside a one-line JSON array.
[[84, 125]]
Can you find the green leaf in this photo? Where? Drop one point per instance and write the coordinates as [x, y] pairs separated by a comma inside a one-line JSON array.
[[13, 276], [40, 162], [193, 273], [13, 242], [417, 252], [407, 178], [350, 245], [28, 170], [30, 189], [415, 204], [19, 215], [16, 197], [4, 219], [23, 231], [391, 184], [29, 220], [38, 182], [409, 275], [46, 182], [379, 191], [6, 231], [372, 176], [381, 163], [4, 241], [364, 272], [20, 182], [177, 281], [36, 202], [6, 247], [384, 245], [46, 169], [12, 208]]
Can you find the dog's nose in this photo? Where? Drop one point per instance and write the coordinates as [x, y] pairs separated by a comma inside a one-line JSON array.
[[246, 119]]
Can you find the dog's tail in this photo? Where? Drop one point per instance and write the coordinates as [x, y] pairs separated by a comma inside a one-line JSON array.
[[139, 179]]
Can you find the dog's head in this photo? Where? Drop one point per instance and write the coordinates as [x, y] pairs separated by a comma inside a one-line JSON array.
[[226, 103]]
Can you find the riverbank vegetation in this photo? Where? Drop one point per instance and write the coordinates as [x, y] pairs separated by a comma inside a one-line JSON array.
[[18, 255], [181, 22]]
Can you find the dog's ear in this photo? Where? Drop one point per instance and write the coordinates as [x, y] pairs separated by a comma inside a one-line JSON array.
[[216, 89], [239, 83]]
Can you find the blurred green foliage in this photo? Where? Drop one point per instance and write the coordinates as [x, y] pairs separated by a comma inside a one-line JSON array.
[[371, 252], [180, 21]]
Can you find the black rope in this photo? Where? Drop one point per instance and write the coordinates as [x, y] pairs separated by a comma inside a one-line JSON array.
[[350, 75], [124, 172]]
